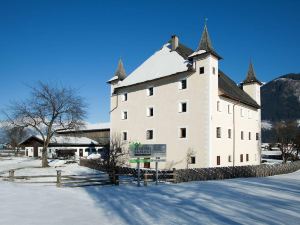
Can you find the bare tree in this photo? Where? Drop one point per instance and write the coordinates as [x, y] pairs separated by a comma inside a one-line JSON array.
[[297, 145], [286, 133], [118, 153], [14, 135], [48, 110]]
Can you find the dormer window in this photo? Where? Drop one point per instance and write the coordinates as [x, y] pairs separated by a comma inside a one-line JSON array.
[[150, 91]]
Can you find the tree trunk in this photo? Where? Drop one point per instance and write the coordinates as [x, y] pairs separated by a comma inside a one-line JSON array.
[[284, 157], [44, 157]]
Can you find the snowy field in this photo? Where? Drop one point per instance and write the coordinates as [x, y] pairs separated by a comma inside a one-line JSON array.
[[30, 167], [271, 200]]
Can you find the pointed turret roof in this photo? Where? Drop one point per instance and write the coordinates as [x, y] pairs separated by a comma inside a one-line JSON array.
[[251, 76], [205, 45], [205, 42], [120, 73]]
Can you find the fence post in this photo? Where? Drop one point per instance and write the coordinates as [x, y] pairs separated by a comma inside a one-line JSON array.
[[58, 178], [174, 175], [146, 178], [115, 177], [11, 175]]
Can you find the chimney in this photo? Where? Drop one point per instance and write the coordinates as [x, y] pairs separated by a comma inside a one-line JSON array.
[[175, 42]]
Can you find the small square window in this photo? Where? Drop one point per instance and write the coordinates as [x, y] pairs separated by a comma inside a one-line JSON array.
[[241, 158], [201, 70], [214, 70], [229, 158], [150, 91], [193, 160], [229, 109], [183, 84], [219, 106], [218, 132], [249, 135], [242, 135], [150, 112], [218, 160], [124, 115], [247, 157], [229, 133], [124, 136], [257, 136], [183, 107], [125, 97], [149, 134], [182, 132]]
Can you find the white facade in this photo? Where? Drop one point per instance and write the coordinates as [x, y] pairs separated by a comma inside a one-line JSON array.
[[81, 146], [200, 124], [86, 151]]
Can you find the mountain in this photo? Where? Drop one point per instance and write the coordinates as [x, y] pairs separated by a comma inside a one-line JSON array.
[[280, 100]]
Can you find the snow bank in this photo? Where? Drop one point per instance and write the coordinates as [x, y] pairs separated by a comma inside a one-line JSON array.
[[57, 163], [94, 156]]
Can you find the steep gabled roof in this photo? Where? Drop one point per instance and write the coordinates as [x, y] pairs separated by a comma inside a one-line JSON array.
[[251, 76], [162, 63], [229, 89], [183, 50]]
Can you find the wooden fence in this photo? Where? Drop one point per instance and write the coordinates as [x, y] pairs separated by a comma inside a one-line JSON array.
[[61, 180], [123, 174]]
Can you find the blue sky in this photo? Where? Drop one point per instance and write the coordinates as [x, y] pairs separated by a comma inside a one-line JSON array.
[[78, 43]]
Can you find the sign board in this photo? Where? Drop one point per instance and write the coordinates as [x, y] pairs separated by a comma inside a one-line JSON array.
[[158, 160], [139, 160], [142, 160], [148, 150]]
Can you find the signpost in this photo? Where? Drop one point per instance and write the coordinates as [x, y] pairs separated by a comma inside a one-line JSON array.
[[139, 152]]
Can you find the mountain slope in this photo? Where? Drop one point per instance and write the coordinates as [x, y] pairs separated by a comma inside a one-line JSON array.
[[280, 98]]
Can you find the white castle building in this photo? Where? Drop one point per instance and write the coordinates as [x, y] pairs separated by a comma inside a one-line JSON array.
[[180, 97]]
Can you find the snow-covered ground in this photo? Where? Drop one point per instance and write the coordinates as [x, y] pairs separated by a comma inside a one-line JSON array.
[[271, 200], [25, 166]]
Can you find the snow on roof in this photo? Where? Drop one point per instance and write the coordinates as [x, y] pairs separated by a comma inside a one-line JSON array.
[[113, 78], [72, 140], [199, 52], [96, 126], [163, 63], [66, 140]]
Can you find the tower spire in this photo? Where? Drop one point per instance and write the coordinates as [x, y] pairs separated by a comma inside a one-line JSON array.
[[205, 45], [120, 72], [251, 76], [205, 42]]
